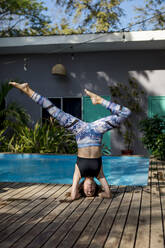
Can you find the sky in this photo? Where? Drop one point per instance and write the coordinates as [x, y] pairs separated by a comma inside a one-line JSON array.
[[128, 7]]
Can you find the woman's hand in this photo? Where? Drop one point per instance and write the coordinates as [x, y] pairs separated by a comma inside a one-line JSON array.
[[105, 195], [68, 197], [76, 197]]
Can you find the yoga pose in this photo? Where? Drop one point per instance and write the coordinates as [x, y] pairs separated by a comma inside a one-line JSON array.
[[88, 138]]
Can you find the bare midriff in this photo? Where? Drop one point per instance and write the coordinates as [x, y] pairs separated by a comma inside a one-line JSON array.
[[90, 152]]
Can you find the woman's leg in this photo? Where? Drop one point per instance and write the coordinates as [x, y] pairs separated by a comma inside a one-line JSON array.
[[118, 113], [66, 120], [23, 87]]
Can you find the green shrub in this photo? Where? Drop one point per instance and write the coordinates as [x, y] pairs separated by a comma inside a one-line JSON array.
[[12, 111], [16, 135], [154, 136], [46, 138], [159, 151]]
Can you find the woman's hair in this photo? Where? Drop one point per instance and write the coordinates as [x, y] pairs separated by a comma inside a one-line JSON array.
[[98, 189]]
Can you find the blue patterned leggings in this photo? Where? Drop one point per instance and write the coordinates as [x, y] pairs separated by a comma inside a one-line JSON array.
[[87, 134]]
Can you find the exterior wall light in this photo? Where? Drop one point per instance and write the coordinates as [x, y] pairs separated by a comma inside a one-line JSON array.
[[59, 69]]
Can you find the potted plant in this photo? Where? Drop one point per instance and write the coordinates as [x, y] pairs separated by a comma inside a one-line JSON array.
[[128, 142], [129, 96]]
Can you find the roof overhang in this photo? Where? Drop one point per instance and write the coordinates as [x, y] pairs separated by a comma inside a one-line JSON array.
[[140, 40]]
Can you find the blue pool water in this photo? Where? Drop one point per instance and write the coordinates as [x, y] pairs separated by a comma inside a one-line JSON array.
[[122, 170]]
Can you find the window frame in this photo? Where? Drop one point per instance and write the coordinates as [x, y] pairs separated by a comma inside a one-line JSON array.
[[61, 100]]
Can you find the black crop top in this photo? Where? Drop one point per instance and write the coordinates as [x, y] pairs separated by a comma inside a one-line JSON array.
[[89, 167]]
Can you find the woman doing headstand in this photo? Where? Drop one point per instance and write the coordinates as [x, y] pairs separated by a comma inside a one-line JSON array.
[[88, 138]]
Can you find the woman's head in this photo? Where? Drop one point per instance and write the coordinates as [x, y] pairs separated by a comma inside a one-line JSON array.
[[88, 187]]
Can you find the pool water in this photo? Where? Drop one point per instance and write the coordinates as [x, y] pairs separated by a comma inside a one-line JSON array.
[[121, 170]]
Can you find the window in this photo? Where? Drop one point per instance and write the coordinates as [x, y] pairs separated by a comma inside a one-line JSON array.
[[67, 104]]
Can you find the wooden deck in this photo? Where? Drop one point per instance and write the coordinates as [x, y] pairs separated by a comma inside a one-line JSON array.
[[38, 215]]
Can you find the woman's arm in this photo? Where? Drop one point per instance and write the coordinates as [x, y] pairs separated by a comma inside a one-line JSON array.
[[76, 178], [106, 193]]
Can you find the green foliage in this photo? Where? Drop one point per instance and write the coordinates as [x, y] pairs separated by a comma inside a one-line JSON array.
[[90, 16], [130, 96], [17, 136], [4, 90], [151, 8], [11, 111], [153, 135], [29, 18], [128, 136], [22, 17], [159, 151], [47, 138], [2, 140]]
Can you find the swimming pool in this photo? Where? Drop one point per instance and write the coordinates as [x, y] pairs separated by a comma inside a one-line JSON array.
[[122, 170]]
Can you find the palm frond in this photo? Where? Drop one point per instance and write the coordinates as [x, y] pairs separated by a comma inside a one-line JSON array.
[[17, 113], [4, 90]]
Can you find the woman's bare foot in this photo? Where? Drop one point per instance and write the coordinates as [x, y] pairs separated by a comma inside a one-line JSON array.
[[94, 98], [23, 87]]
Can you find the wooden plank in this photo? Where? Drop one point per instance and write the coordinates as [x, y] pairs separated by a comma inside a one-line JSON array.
[[157, 239], [161, 181], [62, 231], [107, 222], [129, 234], [4, 185], [18, 209], [8, 184], [113, 239], [4, 190], [18, 202], [28, 212], [163, 196], [20, 190], [161, 176], [13, 191], [143, 232], [44, 209], [62, 213], [43, 219], [154, 175], [149, 172], [88, 233], [77, 229], [5, 202]]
